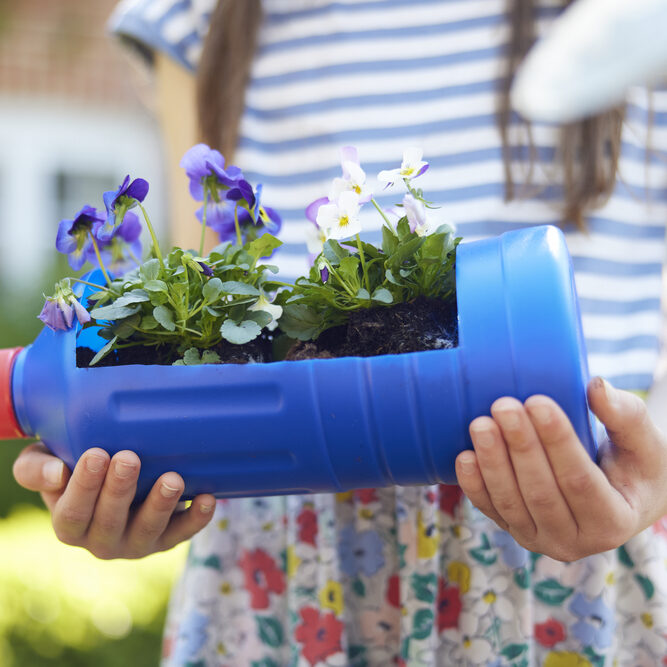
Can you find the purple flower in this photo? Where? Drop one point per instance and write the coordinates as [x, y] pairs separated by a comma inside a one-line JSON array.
[[205, 269], [360, 552], [114, 251], [200, 163], [242, 191], [324, 274], [596, 623], [220, 218], [314, 207], [73, 238], [117, 202], [58, 315]]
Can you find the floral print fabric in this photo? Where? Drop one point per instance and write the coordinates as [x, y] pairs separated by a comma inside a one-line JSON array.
[[407, 576]]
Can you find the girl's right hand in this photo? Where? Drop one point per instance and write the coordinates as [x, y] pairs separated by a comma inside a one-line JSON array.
[[91, 507]]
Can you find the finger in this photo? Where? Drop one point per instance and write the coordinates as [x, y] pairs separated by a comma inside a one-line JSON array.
[[582, 483], [185, 524], [152, 517], [74, 509], [623, 414], [498, 474], [532, 469], [471, 482], [37, 469], [109, 521]]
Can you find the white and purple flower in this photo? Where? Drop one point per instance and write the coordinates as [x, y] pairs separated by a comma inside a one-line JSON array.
[[340, 220], [411, 167]]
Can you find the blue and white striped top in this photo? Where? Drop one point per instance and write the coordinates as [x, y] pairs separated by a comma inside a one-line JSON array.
[[384, 75]]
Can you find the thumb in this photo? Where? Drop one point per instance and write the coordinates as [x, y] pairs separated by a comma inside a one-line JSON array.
[[37, 469], [624, 415]]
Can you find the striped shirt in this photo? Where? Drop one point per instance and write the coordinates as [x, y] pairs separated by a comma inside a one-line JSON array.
[[387, 74]]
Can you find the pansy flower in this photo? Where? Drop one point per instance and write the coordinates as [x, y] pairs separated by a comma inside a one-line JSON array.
[[118, 202], [123, 250], [198, 163], [74, 236], [59, 310], [411, 167], [265, 305], [354, 177], [340, 219]]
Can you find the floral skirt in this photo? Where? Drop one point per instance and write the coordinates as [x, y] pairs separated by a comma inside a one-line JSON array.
[[406, 576]]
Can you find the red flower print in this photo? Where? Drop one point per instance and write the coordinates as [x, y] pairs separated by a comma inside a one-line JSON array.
[[450, 497], [365, 495], [394, 591], [319, 633], [549, 633], [261, 577], [449, 606], [307, 521]]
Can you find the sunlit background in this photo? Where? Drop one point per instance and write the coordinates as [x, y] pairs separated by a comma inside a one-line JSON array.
[[75, 117]]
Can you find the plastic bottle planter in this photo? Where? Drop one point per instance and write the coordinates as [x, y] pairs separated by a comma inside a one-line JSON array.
[[328, 424]]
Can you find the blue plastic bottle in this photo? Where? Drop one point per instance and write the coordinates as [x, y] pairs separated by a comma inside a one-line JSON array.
[[324, 425]]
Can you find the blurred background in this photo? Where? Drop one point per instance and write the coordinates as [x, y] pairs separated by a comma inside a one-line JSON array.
[[75, 117]]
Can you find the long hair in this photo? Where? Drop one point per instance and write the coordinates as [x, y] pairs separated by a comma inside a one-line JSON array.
[[587, 151]]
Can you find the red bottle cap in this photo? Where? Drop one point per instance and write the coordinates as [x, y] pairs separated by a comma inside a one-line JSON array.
[[9, 426]]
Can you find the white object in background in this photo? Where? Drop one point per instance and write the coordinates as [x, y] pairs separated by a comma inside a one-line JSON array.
[[591, 55]]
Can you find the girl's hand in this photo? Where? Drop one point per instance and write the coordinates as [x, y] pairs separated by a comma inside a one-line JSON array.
[[531, 475], [90, 507]]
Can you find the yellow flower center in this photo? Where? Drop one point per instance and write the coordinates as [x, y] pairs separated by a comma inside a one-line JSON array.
[[610, 579], [225, 588], [357, 189], [365, 513], [459, 573], [647, 619], [223, 523], [489, 597], [466, 642], [344, 221]]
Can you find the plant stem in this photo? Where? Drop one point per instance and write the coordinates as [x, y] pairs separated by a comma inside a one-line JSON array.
[[99, 258], [363, 265], [239, 240], [381, 212], [85, 282], [343, 284], [156, 245], [203, 224]]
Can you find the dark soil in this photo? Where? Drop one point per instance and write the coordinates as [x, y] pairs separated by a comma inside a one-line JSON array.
[[423, 324], [258, 350]]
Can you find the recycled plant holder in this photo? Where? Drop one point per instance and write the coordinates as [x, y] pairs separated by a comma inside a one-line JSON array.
[[321, 425]]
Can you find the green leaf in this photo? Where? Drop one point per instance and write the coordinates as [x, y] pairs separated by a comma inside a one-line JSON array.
[[383, 295], [150, 270], [127, 326], [240, 333], [103, 352], [212, 289], [165, 317], [333, 251], [425, 586], [112, 312], [210, 357], [512, 651], [363, 294], [624, 557], [263, 246], [390, 278], [155, 286], [359, 588], [191, 357], [260, 316], [522, 578], [270, 630], [236, 287], [148, 322], [422, 624], [646, 585], [389, 240], [264, 662], [551, 592], [300, 321], [595, 659]]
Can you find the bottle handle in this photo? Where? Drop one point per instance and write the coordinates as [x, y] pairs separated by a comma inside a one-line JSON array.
[[9, 426]]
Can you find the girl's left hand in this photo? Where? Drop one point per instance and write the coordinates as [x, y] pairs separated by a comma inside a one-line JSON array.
[[530, 473]]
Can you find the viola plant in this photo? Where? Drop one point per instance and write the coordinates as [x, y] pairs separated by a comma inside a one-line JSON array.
[[184, 299], [416, 258]]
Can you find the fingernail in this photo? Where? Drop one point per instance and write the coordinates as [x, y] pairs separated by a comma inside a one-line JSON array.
[[483, 437], [53, 471], [509, 417], [467, 464], [95, 463], [610, 392], [206, 509], [540, 413], [168, 491], [125, 469]]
